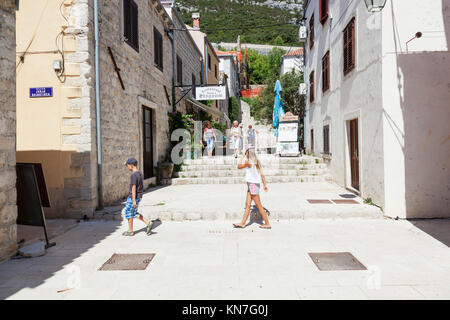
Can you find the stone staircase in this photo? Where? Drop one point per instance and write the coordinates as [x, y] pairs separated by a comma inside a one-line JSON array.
[[265, 139], [223, 170]]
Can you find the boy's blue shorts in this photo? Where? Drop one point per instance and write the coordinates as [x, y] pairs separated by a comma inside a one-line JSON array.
[[130, 212]]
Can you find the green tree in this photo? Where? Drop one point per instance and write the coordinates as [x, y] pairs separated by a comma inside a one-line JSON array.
[[263, 69], [278, 41], [293, 101], [234, 109], [261, 108]]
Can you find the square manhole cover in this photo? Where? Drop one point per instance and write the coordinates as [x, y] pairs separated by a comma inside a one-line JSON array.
[[336, 261], [128, 262], [319, 201], [339, 201]]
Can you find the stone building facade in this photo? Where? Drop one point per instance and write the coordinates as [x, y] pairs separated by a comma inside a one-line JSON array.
[[378, 102], [8, 208], [146, 86], [60, 131], [188, 63]]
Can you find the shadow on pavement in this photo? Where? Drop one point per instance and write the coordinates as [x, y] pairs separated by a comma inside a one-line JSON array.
[[437, 228], [18, 274], [156, 224], [255, 216]]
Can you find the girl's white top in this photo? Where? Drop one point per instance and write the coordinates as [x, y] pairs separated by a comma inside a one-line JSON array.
[[252, 175], [235, 132]]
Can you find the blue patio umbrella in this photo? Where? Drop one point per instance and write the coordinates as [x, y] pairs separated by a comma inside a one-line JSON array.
[[278, 107]]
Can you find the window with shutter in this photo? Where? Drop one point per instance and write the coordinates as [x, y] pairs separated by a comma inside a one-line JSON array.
[[323, 11], [130, 24], [349, 47], [179, 71], [326, 72], [326, 139], [311, 87], [158, 48], [311, 32], [194, 81]]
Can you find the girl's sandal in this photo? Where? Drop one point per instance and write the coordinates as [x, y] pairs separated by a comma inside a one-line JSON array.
[[128, 234], [237, 226]]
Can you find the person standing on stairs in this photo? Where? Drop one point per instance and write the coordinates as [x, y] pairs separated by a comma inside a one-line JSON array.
[[253, 177], [251, 136], [209, 137], [236, 138]]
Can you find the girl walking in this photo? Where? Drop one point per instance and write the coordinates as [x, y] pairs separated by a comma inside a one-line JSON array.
[[209, 137], [253, 177]]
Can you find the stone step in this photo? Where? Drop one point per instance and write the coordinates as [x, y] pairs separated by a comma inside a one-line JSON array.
[[239, 173], [230, 167], [240, 180], [266, 160], [307, 213]]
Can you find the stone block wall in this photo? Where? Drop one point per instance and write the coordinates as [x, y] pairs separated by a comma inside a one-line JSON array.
[[8, 195], [187, 50], [80, 193], [122, 108]]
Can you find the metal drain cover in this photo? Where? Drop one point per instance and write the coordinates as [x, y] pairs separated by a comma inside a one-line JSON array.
[[319, 201], [336, 261], [128, 262]]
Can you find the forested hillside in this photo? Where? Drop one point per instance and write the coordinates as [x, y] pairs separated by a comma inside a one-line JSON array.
[[256, 21]]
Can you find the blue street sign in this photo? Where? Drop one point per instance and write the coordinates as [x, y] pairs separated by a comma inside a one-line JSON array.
[[41, 92]]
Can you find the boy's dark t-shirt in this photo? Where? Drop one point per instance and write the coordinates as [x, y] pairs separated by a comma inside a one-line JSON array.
[[136, 180]]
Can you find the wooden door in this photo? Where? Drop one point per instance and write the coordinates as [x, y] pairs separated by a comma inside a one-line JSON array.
[[148, 142], [354, 153]]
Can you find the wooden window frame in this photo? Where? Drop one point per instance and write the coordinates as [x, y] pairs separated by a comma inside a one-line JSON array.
[[349, 35], [158, 49], [209, 61], [326, 72], [130, 13], [312, 93], [311, 32], [179, 71], [194, 82], [326, 139], [148, 169], [324, 11]]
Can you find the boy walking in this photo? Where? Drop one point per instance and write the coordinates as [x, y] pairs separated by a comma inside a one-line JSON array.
[[134, 197]]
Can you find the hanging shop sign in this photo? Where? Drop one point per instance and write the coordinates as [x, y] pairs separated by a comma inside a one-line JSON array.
[[44, 92], [211, 93]]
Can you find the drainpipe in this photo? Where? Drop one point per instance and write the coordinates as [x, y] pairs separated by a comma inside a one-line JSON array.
[[97, 108], [206, 61]]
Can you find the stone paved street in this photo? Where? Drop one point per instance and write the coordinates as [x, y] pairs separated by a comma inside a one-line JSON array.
[[223, 202], [211, 260]]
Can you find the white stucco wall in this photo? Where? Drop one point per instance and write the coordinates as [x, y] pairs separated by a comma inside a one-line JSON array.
[[229, 67], [356, 95], [416, 102], [290, 63]]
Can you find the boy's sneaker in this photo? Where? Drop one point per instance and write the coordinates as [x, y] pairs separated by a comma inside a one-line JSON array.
[[149, 228]]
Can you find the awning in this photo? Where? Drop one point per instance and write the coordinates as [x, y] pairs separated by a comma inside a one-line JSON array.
[[210, 110]]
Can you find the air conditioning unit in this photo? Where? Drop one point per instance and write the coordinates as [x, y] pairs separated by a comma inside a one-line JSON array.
[[302, 33], [303, 89]]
